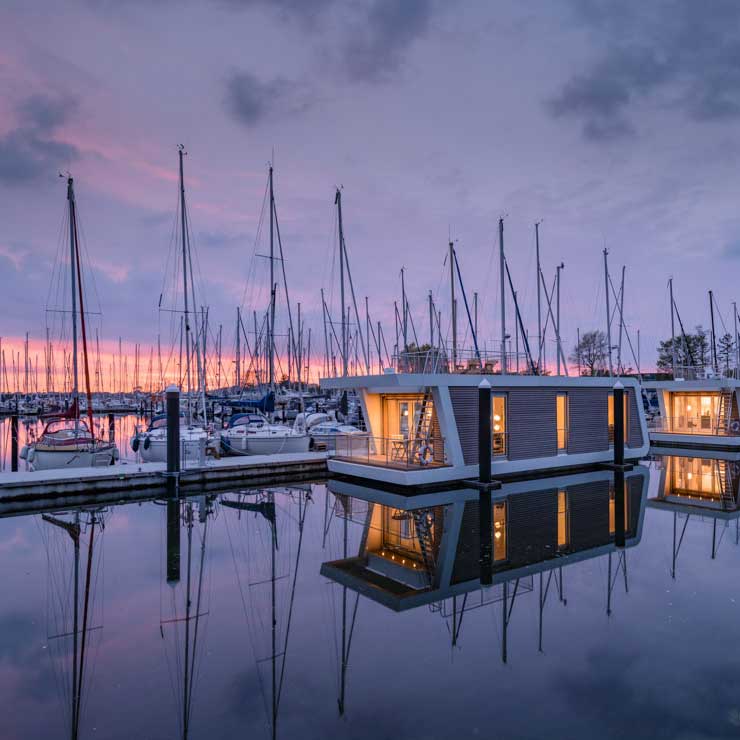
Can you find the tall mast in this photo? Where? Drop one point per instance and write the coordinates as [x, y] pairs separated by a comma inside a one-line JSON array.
[[673, 329], [186, 340], [608, 312], [338, 203], [453, 305], [539, 298], [714, 340], [404, 324], [73, 265], [503, 295], [737, 347], [558, 269], [238, 348], [271, 320]]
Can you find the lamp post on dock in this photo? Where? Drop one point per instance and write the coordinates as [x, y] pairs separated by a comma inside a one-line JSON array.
[[173, 438]]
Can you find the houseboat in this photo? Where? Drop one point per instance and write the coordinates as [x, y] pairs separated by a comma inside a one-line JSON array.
[[703, 490], [425, 550], [696, 413], [423, 427]]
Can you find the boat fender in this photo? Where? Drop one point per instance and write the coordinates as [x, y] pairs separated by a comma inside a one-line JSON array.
[[425, 454], [24, 452], [135, 444], [735, 426], [147, 443], [116, 455]]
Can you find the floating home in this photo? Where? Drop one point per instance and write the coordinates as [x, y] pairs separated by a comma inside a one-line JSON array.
[[700, 484], [423, 427], [696, 413], [427, 549]]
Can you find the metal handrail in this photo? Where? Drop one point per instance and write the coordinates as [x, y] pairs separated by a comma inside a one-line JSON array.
[[704, 425], [404, 452]]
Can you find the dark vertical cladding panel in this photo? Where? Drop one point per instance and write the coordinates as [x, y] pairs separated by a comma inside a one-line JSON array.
[[531, 423], [588, 420], [588, 506], [634, 430], [532, 527], [634, 499], [467, 557], [465, 407]]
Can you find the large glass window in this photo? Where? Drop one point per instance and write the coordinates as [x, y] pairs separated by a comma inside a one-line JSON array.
[[498, 424], [562, 422], [694, 413], [402, 417]]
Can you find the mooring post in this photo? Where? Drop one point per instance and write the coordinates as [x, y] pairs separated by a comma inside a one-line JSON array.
[[173, 541], [14, 443], [111, 428], [619, 504], [485, 452], [173, 439]]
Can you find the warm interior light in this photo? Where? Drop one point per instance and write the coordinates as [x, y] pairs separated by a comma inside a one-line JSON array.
[[497, 535], [689, 476], [496, 417], [688, 407], [496, 428], [406, 412], [393, 557]]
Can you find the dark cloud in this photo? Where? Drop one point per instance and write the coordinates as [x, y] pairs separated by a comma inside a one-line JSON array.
[[250, 101], [378, 44], [30, 150], [673, 53]]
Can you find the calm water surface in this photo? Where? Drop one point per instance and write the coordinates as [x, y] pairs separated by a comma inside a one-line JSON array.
[[663, 664]]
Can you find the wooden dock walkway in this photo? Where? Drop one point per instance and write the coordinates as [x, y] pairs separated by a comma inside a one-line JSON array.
[[131, 480]]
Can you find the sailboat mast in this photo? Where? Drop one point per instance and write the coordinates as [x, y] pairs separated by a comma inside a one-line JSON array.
[[338, 202], [539, 298], [608, 311], [72, 262], [503, 294], [271, 320], [181, 152], [453, 305], [673, 329]]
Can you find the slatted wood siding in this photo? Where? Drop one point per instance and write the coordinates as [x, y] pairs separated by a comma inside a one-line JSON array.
[[531, 423], [588, 505], [588, 420], [634, 431], [532, 527], [465, 407]]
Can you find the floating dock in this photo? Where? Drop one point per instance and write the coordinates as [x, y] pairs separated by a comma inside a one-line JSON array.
[[132, 480]]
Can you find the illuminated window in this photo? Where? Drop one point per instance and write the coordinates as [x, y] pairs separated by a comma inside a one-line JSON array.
[[694, 413], [610, 414], [562, 422], [498, 424], [499, 531], [563, 519], [611, 512]]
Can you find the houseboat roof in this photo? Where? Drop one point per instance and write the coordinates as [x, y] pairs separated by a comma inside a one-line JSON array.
[[705, 384], [388, 382]]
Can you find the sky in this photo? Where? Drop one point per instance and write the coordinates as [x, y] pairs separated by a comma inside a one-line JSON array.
[[615, 125]]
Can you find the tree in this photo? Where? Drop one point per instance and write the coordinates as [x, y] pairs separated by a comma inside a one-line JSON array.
[[589, 354], [692, 351], [725, 352]]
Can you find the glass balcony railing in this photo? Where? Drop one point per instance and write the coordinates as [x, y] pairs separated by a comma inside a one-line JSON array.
[[391, 452]]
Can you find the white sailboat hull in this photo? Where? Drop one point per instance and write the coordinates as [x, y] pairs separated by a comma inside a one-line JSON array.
[[274, 444], [74, 458]]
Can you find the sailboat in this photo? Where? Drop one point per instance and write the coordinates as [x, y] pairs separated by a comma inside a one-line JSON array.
[[247, 434], [152, 442], [67, 441]]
